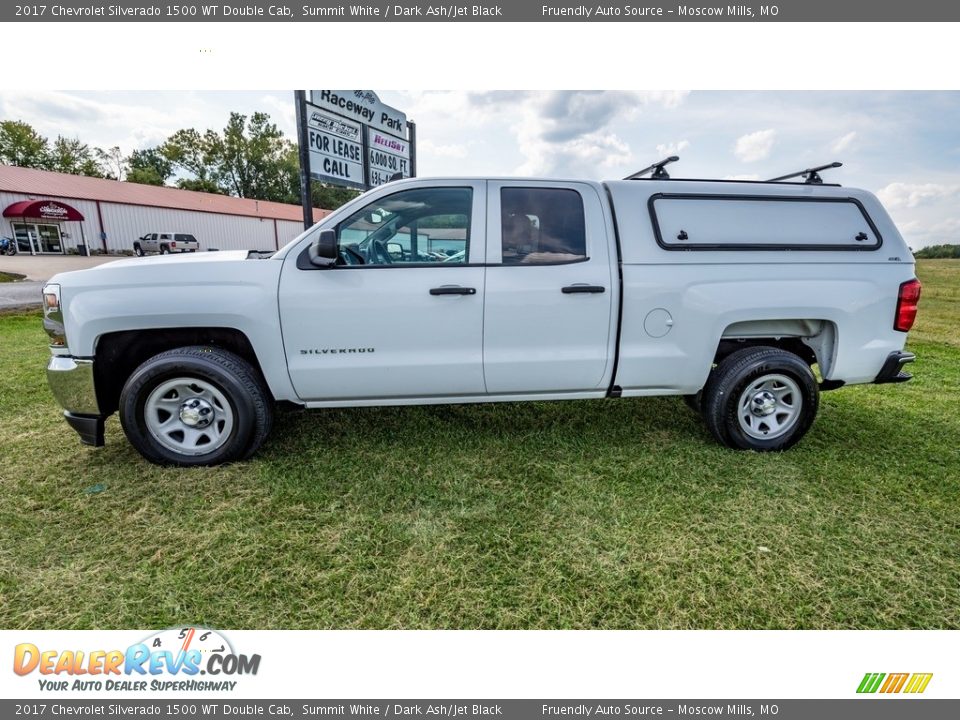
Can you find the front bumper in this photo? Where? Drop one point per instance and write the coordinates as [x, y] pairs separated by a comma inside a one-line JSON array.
[[71, 381], [892, 370]]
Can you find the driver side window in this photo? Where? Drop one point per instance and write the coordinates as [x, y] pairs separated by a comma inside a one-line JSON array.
[[419, 226]]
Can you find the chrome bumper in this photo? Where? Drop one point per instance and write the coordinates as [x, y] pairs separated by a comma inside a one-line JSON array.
[[71, 381]]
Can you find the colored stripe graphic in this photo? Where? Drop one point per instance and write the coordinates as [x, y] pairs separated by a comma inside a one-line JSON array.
[[870, 682], [894, 683], [918, 683]]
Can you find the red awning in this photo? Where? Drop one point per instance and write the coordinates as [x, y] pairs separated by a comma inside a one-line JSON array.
[[43, 210]]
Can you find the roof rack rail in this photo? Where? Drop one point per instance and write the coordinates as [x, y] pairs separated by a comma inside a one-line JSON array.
[[657, 170], [811, 176]]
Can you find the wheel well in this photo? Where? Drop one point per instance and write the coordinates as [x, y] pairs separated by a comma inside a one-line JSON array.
[[813, 340], [120, 353], [790, 344]]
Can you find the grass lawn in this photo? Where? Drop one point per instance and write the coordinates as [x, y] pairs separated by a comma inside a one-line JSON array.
[[6, 277], [613, 514]]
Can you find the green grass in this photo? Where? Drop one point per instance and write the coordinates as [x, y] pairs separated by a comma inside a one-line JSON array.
[[615, 514], [6, 277]]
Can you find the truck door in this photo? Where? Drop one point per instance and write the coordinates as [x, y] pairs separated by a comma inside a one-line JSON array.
[[401, 314], [549, 322]]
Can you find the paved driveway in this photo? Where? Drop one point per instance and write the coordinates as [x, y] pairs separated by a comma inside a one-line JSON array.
[[43, 267], [38, 269], [20, 294]]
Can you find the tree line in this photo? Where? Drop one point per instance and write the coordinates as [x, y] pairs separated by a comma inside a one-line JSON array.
[[249, 158], [938, 252]]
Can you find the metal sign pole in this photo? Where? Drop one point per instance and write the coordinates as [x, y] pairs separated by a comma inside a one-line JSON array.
[[365, 140], [412, 139], [303, 138]]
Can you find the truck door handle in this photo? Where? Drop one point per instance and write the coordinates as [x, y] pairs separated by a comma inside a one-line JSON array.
[[453, 290], [569, 289]]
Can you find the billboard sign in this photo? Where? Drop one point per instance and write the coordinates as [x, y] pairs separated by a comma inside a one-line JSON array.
[[336, 148], [364, 107], [386, 156]]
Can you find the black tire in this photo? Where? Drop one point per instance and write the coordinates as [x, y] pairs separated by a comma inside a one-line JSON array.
[[694, 402], [723, 395], [138, 250], [241, 385], [164, 250]]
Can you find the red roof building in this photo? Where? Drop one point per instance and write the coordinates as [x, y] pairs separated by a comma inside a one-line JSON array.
[[50, 212]]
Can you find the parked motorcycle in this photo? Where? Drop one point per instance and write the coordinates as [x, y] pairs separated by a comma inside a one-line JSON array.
[[8, 246]]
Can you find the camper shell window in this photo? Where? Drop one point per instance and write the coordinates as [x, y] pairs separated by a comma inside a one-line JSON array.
[[761, 222]]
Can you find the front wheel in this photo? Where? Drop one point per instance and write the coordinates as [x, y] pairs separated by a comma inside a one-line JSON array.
[[195, 406], [138, 250], [760, 398]]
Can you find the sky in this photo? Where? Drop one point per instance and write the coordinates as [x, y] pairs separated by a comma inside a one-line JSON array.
[[904, 146]]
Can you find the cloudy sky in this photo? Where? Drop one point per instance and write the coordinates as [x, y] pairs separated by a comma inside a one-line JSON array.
[[905, 146]]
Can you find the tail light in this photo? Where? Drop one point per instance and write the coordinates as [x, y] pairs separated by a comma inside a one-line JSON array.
[[173, 244], [907, 300]]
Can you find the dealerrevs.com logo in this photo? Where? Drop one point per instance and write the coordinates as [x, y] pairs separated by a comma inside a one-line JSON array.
[[179, 659]]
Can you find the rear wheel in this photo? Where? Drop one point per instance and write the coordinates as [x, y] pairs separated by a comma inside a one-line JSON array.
[[760, 398], [164, 250], [195, 406]]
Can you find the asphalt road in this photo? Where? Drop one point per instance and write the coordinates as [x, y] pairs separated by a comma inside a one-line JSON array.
[[25, 293]]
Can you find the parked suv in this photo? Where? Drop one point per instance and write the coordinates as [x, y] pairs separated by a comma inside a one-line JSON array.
[[164, 243]]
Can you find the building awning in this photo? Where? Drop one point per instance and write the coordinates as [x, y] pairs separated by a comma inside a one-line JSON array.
[[43, 210]]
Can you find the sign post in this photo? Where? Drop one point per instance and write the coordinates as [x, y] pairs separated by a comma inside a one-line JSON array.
[[351, 139], [306, 198]]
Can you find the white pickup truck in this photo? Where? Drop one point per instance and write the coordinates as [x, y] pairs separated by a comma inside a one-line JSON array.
[[485, 290]]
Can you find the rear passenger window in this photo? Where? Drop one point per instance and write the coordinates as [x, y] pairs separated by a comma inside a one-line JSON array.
[[542, 226]]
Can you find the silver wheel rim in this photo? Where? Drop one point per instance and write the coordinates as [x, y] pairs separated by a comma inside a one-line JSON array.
[[769, 407], [189, 416]]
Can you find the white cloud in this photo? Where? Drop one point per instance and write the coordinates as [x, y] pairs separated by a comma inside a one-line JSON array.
[[568, 133], [755, 146], [448, 150], [843, 143], [672, 148], [911, 195]]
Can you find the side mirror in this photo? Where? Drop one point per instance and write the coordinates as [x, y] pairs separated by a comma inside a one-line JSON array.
[[325, 251]]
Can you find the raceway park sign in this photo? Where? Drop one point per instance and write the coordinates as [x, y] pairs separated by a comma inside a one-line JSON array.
[[364, 107], [356, 140]]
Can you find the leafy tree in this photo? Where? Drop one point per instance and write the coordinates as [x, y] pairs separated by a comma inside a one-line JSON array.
[[113, 163], [148, 167], [21, 145], [187, 151], [70, 155], [208, 186], [249, 158]]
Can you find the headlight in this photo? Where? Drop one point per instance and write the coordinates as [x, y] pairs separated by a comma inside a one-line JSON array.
[[53, 315]]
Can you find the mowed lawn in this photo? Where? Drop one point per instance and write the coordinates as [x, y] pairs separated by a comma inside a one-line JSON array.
[[613, 514]]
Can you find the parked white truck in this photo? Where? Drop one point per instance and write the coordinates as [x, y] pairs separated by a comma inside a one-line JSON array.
[[467, 290]]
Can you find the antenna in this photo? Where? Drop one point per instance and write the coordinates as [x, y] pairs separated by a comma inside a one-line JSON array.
[[657, 170], [811, 176]]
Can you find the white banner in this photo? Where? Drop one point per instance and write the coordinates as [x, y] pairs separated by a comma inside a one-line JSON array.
[[224, 665]]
